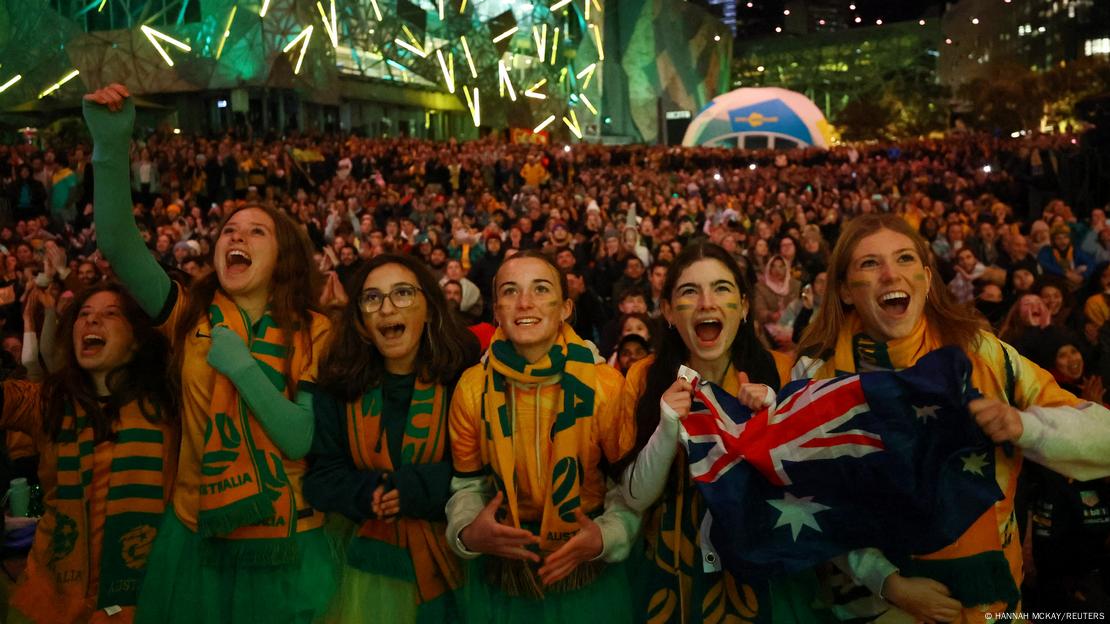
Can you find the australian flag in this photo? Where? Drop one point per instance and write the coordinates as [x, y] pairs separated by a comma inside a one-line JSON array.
[[891, 460]]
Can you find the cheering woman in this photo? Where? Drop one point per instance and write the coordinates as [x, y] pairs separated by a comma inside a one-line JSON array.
[[106, 429], [531, 428], [706, 306], [885, 310], [239, 543], [380, 456]]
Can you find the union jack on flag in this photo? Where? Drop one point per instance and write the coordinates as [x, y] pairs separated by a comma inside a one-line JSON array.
[[803, 428], [891, 460]]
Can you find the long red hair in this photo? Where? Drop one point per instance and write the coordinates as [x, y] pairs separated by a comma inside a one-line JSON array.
[[956, 324]]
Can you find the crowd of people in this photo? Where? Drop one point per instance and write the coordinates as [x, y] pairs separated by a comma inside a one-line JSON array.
[[238, 356]]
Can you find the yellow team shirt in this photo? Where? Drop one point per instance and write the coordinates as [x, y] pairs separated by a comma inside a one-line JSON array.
[[610, 436]]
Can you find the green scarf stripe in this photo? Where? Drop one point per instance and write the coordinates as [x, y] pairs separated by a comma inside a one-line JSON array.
[[265, 323], [272, 374], [368, 400], [152, 436], [371, 403], [423, 395], [444, 408], [135, 462], [579, 353], [502, 411], [262, 347], [66, 464], [414, 431], [127, 534], [134, 490], [71, 492]]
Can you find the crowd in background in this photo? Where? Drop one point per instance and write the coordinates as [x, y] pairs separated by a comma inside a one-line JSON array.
[[1013, 223]]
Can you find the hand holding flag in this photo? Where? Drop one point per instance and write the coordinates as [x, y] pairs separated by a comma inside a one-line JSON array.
[[890, 460]]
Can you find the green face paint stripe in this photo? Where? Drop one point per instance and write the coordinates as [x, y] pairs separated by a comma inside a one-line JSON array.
[[919, 277], [682, 307], [858, 283], [732, 306]]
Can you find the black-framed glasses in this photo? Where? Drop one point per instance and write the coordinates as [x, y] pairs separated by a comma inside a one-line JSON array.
[[401, 297]]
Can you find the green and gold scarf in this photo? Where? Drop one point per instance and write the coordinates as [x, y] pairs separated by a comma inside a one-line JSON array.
[[244, 491], [424, 442], [572, 363], [136, 499]]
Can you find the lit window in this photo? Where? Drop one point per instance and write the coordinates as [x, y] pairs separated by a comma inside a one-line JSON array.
[[1094, 47]]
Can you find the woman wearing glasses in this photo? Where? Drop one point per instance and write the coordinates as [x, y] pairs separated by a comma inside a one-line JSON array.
[[238, 543], [380, 456]]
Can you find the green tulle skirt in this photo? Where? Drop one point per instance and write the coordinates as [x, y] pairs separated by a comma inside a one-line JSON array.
[[368, 598], [181, 587], [608, 600]]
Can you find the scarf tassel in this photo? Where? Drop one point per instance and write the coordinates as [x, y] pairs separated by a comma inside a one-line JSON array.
[[250, 553], [516, 577], [224, 520]]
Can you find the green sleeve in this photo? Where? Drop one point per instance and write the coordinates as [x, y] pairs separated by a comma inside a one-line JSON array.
[[117, 236], [290, 424]]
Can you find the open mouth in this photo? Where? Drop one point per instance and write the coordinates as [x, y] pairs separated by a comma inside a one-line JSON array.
[[92, 344], [895, 302], [526, 322], [237, 261], [709, 330], [392, 331]]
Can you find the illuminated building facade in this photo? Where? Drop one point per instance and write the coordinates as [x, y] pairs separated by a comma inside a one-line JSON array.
[[832, 68], [1038, 34], [425, 68]]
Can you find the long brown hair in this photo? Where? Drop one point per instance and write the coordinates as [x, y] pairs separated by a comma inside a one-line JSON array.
[[955, 324], [144, 378], [746, 353], [294, 289], [353, 364]]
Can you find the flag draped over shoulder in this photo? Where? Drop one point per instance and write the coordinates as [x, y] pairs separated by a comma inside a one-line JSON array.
[[891, 460]]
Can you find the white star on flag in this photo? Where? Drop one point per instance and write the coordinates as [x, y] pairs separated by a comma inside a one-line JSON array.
[[974, 463], [925, 412], [797, 512]]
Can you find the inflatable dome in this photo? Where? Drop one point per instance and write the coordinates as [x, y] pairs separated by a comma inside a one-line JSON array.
[[760, 118]]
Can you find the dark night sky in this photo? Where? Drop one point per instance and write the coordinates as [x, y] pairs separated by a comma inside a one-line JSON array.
[[764, 15], [896, 10]]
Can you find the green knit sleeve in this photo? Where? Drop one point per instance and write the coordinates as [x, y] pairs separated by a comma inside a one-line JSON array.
[[117, 236]]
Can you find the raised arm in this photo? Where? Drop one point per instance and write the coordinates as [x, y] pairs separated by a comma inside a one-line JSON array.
[[110, 115]]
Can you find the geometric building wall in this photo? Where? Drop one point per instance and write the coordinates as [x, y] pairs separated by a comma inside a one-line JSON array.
[[674, 57], [502, 62], [565, 65]]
